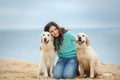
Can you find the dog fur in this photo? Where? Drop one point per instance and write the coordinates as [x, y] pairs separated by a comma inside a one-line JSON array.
[[45, 67], [89, 64]]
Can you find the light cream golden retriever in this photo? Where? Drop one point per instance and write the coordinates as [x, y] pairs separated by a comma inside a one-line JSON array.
[[47, 55], [89, 64]]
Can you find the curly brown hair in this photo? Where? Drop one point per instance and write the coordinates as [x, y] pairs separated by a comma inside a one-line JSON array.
[[61, 31]]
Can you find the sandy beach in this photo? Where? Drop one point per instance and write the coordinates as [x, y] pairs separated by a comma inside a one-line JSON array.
[[12, 69]]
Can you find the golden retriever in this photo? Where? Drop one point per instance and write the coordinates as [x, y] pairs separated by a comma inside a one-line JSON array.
[[89, 64], [47, 57]]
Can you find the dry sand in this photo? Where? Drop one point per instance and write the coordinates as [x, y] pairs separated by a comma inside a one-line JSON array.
[[11, 69]]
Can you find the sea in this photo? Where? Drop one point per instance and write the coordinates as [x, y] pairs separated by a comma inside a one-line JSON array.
[[25, 43]]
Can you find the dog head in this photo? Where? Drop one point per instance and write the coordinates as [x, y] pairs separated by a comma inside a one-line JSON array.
[[82, 39], [46, 38]]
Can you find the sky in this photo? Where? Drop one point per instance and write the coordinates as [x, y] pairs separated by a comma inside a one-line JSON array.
[[35, 14]]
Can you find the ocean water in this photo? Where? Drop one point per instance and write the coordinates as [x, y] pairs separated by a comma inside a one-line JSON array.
[[24, 44]]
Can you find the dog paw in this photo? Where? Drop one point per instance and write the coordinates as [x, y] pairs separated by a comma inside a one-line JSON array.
[[45, 75], [81, 76], [51, 75], [91, 76]]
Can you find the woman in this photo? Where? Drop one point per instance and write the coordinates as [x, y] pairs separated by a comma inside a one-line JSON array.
[[64, 42]]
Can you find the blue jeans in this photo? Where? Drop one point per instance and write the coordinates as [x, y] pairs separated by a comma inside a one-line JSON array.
[[65, 68]]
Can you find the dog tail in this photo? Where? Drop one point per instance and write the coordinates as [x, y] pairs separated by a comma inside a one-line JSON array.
[[105, 75]]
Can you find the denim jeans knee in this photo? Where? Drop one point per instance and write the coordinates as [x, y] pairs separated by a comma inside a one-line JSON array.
[[57, 76], [70, 69], [65, 68], [58, 69], [70, 76]]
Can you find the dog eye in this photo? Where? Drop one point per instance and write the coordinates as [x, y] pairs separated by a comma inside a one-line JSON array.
[[83, 36], [43, 34], [48, 35]]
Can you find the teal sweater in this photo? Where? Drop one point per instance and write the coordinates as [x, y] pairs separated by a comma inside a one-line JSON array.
[[68, 47]]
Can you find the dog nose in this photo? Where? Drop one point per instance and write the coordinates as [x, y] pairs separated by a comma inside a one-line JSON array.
[[45, 39], [79, 38]]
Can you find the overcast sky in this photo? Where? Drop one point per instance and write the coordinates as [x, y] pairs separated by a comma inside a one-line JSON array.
[[35, 14]]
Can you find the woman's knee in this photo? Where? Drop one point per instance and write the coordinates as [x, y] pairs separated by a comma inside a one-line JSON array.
[[56, 75], [68, 75], [70, 69], [57, 72]]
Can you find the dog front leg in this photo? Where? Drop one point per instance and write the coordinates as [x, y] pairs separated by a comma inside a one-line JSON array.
[[39, 69], [81, 71], [45, 71], [92, 68], [51, 69]]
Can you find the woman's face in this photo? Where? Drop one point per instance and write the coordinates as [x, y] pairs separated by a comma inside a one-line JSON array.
[[54, 31]]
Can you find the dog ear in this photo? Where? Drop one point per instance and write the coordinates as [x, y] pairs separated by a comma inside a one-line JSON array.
[[41, 39], [40, 48], [52, 38], [87, 40]]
